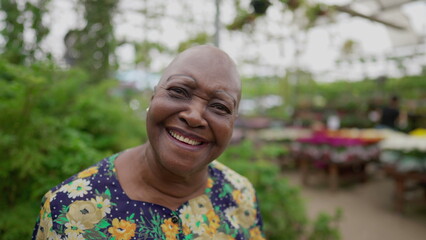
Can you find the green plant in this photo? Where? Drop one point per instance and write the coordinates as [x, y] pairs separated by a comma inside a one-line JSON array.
[[53, 123], [273, 151], [19, 18], [325, 227]]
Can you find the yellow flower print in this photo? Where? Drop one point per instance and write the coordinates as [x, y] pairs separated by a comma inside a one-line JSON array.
[[52, 235], [214, 221], [46, 205], [197, 224], [248, 196], [211, 231], [44, 228], [244, 196], [233, 177], [201, 204], [243, 215], [246, 215], [255, 234], [79, 188], [84, 212], [88, 172], [232, 217], [218, 236], [186, 229], [238, 196], [209, 183], [104, 205], [170, 229], [73, 236], [224, 236], [122, 229], [74, 228], [185, 214]]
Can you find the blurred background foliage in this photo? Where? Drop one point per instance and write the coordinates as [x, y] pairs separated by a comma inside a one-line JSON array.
[[53, 123], [57, 120]]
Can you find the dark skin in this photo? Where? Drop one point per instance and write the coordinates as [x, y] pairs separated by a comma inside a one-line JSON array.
[[189, 124]]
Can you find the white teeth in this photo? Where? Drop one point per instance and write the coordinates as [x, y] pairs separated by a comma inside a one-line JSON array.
[[184, 139]]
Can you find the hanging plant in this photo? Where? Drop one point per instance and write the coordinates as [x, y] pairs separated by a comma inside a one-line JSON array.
[[242, 19], [260, 6], [348, 47], [316, 11], [293, 4]]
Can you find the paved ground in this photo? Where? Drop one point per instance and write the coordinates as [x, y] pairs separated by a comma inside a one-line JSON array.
[[368, 212]]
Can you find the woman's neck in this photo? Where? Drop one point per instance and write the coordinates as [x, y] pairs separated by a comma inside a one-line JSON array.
[[143, 178]]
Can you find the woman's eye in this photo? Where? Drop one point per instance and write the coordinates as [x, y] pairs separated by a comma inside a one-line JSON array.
[[178, 92], [221, 108]]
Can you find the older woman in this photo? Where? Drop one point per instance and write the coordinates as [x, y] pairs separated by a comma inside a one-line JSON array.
[[170, 187]]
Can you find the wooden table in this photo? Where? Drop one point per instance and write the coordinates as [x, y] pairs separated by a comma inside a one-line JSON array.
[[400, 181], [354, 169]]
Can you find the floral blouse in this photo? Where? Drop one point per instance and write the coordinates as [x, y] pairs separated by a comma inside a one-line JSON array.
[[92, 205]]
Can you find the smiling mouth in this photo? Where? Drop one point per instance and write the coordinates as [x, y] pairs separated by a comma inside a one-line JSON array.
[[183, 139]]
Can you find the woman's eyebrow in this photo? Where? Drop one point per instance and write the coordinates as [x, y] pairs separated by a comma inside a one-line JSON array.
[[222, 92], [181, 75], [217, 92]]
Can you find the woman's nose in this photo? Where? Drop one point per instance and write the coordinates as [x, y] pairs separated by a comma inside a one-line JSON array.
[[193, 115]]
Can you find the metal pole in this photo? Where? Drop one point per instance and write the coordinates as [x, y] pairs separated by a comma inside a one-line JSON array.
[[217, 24]]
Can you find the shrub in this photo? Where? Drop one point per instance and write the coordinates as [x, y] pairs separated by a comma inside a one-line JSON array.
[[53, 124]]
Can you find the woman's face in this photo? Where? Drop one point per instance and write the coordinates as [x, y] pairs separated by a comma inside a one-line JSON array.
[[192, 112]]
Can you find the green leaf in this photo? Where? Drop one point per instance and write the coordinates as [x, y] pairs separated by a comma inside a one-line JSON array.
[[103, 224], [205, 219], [189, 237], [108, 193]]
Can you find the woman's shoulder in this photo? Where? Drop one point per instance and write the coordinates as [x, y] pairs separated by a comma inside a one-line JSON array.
[[98, 172], [229, 175]]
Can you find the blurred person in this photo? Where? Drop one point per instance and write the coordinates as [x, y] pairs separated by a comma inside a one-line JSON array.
[[390, 114], [333, 121], [170, 187], [373, 112]]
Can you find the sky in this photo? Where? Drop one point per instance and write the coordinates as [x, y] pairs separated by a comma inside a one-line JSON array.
[[270, 50]]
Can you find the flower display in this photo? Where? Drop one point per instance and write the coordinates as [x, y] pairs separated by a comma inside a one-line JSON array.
[[340, 145], [407, 152], [419, 132]]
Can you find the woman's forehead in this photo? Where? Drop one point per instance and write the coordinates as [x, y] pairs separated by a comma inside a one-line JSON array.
[[202, 69], [205, 64]]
